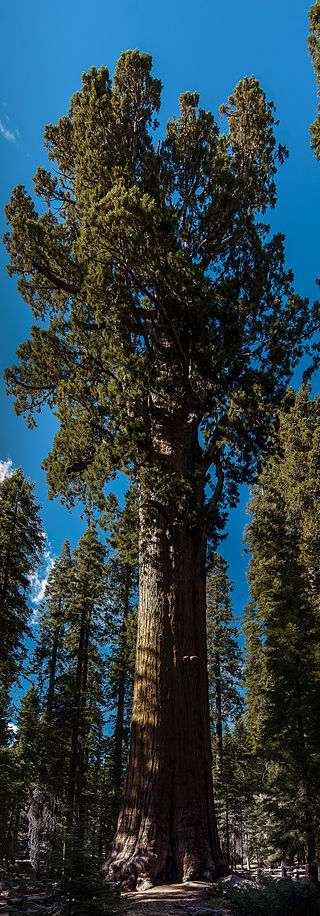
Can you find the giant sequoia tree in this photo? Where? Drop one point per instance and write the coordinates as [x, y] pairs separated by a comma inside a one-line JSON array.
[[166, 331]]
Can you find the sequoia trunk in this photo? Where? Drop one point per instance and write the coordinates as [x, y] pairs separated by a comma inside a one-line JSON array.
[[166, 828]]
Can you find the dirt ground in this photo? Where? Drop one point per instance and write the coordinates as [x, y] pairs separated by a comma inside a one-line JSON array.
[[190, 899]]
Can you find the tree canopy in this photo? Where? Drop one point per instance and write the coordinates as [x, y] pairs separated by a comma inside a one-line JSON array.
[[154, 282]]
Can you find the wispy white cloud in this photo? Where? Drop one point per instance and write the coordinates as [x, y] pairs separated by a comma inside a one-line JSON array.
[[12, 729], [6, 469], [39, 579], [7, 134]]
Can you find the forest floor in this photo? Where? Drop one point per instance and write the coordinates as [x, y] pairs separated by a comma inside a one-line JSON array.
[[190, 899], [23, 895]]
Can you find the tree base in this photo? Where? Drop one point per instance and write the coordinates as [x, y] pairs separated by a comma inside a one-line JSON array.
[[140, 871], [167, 830]]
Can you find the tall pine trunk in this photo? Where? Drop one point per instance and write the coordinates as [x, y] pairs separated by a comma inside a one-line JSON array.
[[52, 671], [118, 737], [82, 761], [218, 712], [166, 827], [75, 784]]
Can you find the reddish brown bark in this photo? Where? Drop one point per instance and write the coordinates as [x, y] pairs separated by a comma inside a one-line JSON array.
[[167, 826]]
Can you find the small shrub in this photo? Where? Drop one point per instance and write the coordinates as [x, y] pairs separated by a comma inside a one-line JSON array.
[[271, 898], [92, 897]]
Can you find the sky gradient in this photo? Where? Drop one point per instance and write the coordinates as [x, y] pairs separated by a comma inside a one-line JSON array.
[[205, 46]]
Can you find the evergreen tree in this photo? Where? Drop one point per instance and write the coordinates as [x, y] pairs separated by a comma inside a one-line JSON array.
[[122, 574], [22, 542], [224, 654], [164, 311], [122, 591], [51, 630], [50, 665], [83, 661], [236, 805], [225, 671], [70, 661], [85, 628], [282, 619], [314, 49], [25, 758]]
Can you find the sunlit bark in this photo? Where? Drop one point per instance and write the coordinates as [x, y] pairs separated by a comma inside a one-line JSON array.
[[166, 828]]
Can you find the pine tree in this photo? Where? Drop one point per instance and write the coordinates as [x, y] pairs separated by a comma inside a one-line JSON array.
[[313, 47], [241, 773], [167, 328], [224, 671], [282, 620], [70, 660], [25, 756], [83, 661], [224, 654], [85, 627], [51, 630], [50, 666], [22, 542], [122, 593], [122, 574]]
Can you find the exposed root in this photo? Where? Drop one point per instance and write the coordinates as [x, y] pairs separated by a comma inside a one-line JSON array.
[[134, 869], [139, 870]]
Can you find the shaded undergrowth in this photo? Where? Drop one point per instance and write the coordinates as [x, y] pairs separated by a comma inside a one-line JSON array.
[[269, 898]]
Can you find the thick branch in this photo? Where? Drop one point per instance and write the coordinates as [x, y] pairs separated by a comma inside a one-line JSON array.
[[167, 323], [58, 282], [213, 502], [78, 466], [211, 454]]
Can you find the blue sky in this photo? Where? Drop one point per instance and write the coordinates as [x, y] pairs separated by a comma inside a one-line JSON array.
[[206, 46]]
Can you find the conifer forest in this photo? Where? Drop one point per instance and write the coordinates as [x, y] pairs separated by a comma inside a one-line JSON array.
[[149, 735]]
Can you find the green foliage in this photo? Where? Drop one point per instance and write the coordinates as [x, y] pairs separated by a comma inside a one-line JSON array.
[[158, 293], [313, 48], [122, 575], [62, 777], [256, 158], [49, 655], [22, 542], [226, 703], [87, 890], [224, 655], [282, 620], [235, 797], [9, 788], [282, 898], [82, 682]]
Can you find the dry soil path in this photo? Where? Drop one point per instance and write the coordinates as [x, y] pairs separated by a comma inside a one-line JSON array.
[[190, 899]]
